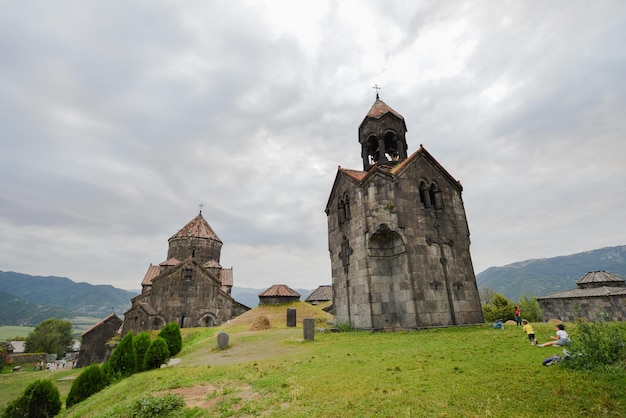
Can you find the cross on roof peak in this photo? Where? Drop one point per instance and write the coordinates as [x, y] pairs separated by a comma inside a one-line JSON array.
[[376, 87]]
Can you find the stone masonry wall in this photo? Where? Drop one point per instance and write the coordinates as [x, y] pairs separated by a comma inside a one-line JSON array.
[[599, 308]]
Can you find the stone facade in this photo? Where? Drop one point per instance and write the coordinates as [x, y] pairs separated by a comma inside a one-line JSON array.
[[398, 236], [600, 296], [187, 288], [93, 347]]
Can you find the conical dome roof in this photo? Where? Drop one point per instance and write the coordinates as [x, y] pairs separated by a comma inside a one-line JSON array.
[[198, 227], [380, 108]]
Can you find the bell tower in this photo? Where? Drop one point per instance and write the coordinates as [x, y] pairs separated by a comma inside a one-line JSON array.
[[382, 136]]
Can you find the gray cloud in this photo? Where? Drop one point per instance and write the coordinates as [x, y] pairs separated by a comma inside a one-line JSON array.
[[118, 119]]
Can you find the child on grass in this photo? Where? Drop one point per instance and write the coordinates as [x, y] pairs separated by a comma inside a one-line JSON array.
[[561, 337], [528, 329]]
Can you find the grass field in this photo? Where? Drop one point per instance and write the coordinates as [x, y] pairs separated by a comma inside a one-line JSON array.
[[8, 332], [473, 371]]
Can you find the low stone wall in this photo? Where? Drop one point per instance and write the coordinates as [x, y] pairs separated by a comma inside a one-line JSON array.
[[27, 357], [603, 308]]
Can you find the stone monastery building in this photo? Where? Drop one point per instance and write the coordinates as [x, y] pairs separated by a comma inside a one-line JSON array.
[[190, 287], [398, 236]]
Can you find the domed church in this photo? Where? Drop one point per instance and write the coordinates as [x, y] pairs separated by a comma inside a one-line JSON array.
[[189, 288], [398, 236]]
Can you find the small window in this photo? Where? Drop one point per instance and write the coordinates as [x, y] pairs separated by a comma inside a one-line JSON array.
[[430, 195], [343, 209]]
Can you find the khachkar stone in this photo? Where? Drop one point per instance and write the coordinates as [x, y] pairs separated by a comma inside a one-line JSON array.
[[308, 329], [222, 340], [398, 236], [291, 317]]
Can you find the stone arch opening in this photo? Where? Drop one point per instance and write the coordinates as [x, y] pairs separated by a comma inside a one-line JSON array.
[[208, 320], [158, 323], [390, 286]]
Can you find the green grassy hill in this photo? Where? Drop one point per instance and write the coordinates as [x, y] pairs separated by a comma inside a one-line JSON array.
[[472, 371]]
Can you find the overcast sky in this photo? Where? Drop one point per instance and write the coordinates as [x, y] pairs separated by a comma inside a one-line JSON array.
[[119, 118]]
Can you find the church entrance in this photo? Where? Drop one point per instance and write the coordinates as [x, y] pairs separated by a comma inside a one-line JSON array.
[[390, 281]]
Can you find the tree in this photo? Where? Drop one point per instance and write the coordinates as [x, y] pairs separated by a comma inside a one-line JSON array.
[[486, 295], [141, 342], [500, 309], [91, 380], [171, 334], [51, 336], [40, 399], [157, 354], [530, 308], [123, 360]]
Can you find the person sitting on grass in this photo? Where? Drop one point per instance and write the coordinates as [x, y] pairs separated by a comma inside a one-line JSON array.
[[561, 337]]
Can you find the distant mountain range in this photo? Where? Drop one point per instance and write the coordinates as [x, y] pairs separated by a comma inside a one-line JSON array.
[[32, 299], [541, 277], [29, 300]]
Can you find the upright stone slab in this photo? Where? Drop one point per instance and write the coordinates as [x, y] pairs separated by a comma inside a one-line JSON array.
[[291, 317], [308, 325], [222, 340]]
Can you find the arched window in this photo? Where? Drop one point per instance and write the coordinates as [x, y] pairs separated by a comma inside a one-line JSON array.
[[340, 211], [391, 146], [425, 195], [346, 207], [432, 191], [372, 150], [430, 195], [343, 209]]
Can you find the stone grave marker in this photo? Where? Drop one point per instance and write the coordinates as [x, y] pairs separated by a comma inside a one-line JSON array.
[[308, 324], [222, 340], [291, 317]]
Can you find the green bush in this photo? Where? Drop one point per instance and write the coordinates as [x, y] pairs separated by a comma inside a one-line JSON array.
[[171, 334], [157, 406], [531, 311], [40, 399], [123, 360], [141, 342], [91, 380], [596, 345], [499, 309], [345, 326], [110, 376], [156, 354]]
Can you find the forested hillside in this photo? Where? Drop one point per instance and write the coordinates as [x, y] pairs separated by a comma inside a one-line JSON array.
[[26, 299], [548, 275]]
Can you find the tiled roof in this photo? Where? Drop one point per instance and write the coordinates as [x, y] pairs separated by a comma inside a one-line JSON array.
[[600, 277], [279, 290], [152, 272], [586, 293], [380, 108], [170, 262], [227, 277], [102, 322], [198, 227], [212, 264], [355, 174], [322, 293], [147, 308]]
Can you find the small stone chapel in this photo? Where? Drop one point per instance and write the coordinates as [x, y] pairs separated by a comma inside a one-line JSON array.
[[398, 236], [190, 287]]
